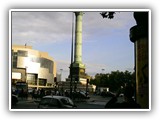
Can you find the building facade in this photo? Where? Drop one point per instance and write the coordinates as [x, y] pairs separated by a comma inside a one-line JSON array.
[[32, 66]]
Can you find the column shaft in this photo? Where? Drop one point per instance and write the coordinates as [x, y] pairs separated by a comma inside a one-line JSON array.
[[78, 38]]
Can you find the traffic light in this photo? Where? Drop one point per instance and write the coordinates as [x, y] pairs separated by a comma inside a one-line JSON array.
[[55, 79]]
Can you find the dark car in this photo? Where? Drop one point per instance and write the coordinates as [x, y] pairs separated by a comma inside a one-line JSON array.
[[85, 95], [54, 102], [107, 94], [14, 99], [80, 95]]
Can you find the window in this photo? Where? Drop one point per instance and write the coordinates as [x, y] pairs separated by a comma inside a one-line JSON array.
[[14, 59], [66, 101], [54, 102], [45, 63], [42, 82], [22, 53], [32, 79], [45, 101]]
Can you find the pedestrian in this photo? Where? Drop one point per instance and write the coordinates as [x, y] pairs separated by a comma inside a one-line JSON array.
[[128, 103], [57, 92]]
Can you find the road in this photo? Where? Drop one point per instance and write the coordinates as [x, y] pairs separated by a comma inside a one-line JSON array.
[[95, 102]]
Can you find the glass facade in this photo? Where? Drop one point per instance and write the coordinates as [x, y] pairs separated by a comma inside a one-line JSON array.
[[42, 82], [44, 63], [39, 70], [14, 58], [32, 79], [22, 53]]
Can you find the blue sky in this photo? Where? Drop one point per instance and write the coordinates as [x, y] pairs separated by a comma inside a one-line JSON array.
[[106, 43]]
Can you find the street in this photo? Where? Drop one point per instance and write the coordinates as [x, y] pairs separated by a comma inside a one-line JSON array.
[[95, 102]]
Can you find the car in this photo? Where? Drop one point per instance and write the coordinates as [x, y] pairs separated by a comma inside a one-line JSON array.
[[84, 95], [14, 99], [55, 102], [107, 94], [80, 95]]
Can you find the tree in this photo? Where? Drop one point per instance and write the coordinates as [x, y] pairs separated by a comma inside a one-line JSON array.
[[114, 80], [109, 15]]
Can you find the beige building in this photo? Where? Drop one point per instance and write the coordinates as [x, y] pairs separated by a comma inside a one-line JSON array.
[[37, 68]]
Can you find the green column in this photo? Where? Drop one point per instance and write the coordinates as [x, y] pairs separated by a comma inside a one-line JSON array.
[[78, 38]]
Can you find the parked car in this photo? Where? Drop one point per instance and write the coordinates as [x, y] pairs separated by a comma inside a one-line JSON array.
[[107, 94], [84, 95], [80, 95], [53, 102], [14, 99]]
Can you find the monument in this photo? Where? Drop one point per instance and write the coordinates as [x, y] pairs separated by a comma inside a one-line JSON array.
[[78, 68], [78, 78]]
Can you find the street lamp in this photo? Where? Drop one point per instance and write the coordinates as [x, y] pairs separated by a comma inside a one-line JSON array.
[[71, 75]]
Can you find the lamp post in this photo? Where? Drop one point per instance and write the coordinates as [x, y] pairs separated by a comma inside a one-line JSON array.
[[71, 66]]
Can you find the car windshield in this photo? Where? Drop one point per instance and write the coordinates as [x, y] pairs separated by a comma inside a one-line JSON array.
[[45, 101], [67, 101]]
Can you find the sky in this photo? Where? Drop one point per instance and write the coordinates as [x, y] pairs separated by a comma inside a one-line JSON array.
[[106, 45], [6, 5]]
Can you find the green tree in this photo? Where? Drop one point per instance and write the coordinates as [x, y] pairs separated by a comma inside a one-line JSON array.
[[114, 80]]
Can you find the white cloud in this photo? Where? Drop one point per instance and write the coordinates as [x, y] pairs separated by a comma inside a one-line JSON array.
[[48, 27], [53, 27], [40, 26]]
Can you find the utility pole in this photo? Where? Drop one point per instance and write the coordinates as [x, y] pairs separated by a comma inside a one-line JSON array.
[[71, 66]]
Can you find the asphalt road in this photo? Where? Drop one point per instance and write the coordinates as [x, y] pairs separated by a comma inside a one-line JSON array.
[[95, 102]]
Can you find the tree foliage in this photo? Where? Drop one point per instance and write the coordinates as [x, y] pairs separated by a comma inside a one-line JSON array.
[[113, 80]]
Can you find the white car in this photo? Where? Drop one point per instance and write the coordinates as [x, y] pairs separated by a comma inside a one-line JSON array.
[[54, 102]]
